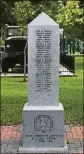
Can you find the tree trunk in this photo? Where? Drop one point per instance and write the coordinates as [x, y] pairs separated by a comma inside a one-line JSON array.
[[25, 62]]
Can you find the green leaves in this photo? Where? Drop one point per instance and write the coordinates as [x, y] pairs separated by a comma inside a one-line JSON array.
[[26, 11], [6, 15], [23, 12], [71, 16]]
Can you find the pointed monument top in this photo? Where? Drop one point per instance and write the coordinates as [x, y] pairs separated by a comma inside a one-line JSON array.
[[43, 19]]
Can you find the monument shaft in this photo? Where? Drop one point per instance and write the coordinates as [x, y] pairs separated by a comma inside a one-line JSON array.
[[43, 64]]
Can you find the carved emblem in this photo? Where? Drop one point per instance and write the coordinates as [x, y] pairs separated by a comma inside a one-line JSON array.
[[43, 123]]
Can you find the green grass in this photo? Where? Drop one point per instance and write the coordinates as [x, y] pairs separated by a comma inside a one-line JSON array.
[[14, 94], [71, 94]]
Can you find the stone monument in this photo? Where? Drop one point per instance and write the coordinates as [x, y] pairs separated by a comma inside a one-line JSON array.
[[43, 115]]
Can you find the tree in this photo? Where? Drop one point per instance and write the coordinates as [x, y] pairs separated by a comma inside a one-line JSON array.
[[6, 12], [71, 18], [6, 16], [26, 11], [23, 13]]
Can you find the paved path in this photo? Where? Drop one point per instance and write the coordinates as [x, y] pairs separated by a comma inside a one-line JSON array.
[[11, 136]]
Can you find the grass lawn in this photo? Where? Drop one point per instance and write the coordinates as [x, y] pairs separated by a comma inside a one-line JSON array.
[[14, 94], [71, 94]]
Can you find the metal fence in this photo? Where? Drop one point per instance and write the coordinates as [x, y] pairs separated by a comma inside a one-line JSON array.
[[68, 62], [67, 66], [71, 46]]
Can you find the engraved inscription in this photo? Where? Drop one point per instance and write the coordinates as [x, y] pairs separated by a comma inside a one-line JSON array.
[[43, 138], [43, 123], [43, 60]]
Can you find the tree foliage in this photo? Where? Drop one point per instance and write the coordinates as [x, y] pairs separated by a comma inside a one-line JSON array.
[[26, 11], [68, 14], [71, 18], [6, 12]]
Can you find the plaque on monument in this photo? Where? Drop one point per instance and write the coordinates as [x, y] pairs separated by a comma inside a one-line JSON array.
[[43, 115]]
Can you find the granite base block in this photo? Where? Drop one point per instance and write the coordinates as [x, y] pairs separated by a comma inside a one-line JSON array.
[[44, 150], [43, 127]]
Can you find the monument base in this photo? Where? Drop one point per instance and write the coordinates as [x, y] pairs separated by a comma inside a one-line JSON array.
[[44, 150], [43, 129]]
